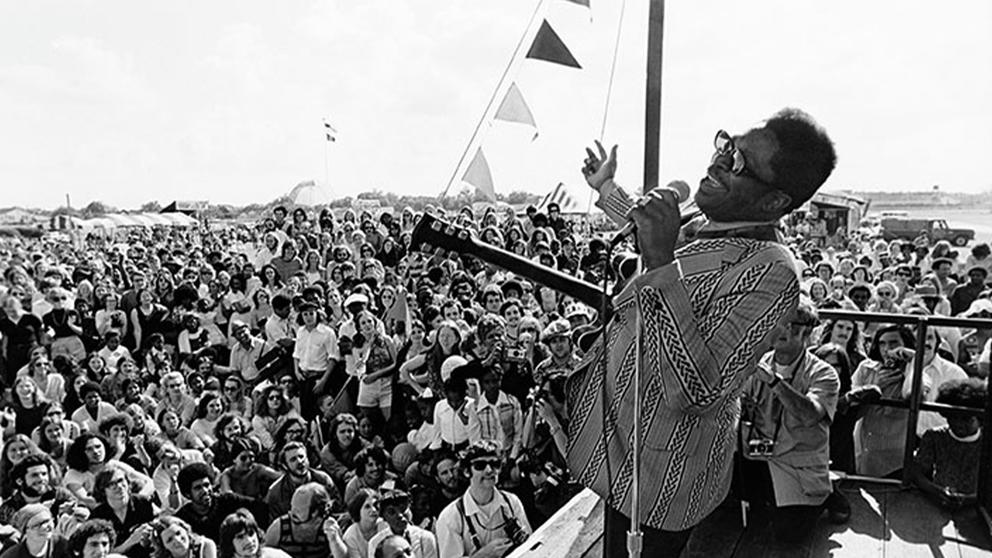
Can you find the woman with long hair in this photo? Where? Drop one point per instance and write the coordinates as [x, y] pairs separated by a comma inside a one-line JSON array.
[[235, 397], [294, 429], [313, 268], [337, 457], [261, 309], [240, 537], [53, 439], [376, 366], [147, 318], [424, 369], [29, 404], [880, 432], [363, 508], [842, 425], [173, 538], [50, 383], [87, 456], [15, 449], [22, 331], [110, 317], [208, 412], [271, 410], [847, 334]]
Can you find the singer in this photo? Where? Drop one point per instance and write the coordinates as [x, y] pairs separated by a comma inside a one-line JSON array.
[[708, 312]]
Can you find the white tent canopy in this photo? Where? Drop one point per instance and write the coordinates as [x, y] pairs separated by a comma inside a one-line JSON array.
[[309, 194], [117, 220]]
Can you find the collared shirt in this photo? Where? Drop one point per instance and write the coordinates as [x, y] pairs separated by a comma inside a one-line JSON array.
[[243, 360], [706, 319], [421, 540], [800, 465], [500, 422], [550, 366], [277, 329], [316, 348], [935, 373], [452, 426], [454, 538]]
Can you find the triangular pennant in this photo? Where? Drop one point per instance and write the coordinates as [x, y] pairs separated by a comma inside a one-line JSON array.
[[477, 174], [580, 2], [515, 109], [548, 46]]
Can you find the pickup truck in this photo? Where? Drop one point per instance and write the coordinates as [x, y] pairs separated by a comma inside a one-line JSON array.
[[934, 229]]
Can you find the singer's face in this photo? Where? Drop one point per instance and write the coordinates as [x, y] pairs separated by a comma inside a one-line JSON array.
[[726, 196]]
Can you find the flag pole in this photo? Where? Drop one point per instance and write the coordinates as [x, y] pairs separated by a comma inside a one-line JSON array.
[[489, 106]]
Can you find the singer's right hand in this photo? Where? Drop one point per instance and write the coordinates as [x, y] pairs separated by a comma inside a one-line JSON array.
[[657, 217], [599, 168]]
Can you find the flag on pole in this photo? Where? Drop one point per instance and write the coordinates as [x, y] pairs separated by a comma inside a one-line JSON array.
[[329, 132], [549, 47], [477, 174], [561, 197], [515, 109]]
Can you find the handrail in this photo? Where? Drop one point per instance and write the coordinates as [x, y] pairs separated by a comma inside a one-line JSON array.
[[915, 404]]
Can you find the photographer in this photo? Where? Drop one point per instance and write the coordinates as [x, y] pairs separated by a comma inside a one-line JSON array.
[[493, 351], [485, 522], [788, 404]]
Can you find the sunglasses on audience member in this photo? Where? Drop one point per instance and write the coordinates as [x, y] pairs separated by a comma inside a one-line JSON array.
[[481, 464]]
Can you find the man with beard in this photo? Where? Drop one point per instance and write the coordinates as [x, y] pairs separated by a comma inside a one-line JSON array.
[[294, 461], [485, 521], [448, 483], [394, 508], [207, 509], [32, 481]]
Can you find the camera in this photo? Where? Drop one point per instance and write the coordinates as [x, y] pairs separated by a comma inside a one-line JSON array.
[[513, 354], [513, 531], [760, 448]]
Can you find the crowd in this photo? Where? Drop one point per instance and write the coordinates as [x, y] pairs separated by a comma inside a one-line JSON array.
[[314, 386]]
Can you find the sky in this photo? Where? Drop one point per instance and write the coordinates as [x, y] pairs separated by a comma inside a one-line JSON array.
[[128, 102]]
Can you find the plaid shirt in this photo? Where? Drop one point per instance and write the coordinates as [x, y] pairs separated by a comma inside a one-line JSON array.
[[501, 422]]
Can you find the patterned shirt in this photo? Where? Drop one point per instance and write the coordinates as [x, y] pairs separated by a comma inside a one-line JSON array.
[[706, 318], [500, 422]]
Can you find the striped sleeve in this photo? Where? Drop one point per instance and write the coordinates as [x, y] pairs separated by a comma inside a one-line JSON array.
[[615, 202]]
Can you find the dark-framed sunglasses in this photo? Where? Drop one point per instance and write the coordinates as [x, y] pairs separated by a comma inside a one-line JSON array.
[[481, 464], [724, 144]]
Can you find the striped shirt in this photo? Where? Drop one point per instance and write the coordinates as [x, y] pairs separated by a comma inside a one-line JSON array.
[[707, 319], [501, 422]]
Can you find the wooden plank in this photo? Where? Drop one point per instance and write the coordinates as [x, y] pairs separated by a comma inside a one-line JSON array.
[[718, 535], [569, 532]]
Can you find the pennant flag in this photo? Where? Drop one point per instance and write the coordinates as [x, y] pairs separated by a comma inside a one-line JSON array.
[[478, 175], [515, 109], [560, 196], [580, 2], [549, 47], [329, 132]]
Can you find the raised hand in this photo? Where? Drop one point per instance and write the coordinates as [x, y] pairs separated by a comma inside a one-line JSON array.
[[599, 167]]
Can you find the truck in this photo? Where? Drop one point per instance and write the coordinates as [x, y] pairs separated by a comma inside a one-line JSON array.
[[904, 228]]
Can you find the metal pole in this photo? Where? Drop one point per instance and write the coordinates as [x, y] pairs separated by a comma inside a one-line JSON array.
[[652, 101], [914, 400], [635, 538]]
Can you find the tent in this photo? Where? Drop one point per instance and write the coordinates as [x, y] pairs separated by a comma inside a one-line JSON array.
[[118, 220], [310, 194]]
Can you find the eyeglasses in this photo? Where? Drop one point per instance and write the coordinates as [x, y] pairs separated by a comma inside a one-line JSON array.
[[724, 145], [885, 294], [294, 431], [41, 524], [275, 398], [54, 413], [481, 464]]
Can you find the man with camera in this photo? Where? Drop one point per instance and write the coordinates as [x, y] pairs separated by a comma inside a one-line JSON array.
[[485, 522], [558, 337], [394, 508], [788, 404]]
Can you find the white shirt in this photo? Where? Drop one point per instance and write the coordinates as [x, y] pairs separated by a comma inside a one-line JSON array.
[[316, 348], [422, 541], [934, 374], [455, 539], [243, 360], [450, 427], [277, 328]]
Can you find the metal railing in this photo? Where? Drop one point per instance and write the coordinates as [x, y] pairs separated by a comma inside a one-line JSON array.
[[915, 404]]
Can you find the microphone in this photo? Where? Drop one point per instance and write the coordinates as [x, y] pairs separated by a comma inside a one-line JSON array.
[[681, 190]]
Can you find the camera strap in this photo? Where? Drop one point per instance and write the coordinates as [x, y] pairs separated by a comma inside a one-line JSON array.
[[473, 533]]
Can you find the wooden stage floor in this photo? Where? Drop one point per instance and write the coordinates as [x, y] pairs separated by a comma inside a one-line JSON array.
[[886, 521]]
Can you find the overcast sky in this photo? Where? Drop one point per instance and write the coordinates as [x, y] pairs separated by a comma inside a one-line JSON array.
[[128, 102]]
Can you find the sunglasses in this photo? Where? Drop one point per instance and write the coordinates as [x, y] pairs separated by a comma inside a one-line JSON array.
[[724, 145], [481, 464], [886, 294]]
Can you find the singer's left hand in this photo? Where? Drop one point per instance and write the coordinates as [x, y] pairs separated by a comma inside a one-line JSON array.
[[657, 217]]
